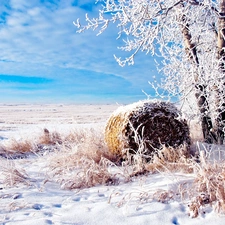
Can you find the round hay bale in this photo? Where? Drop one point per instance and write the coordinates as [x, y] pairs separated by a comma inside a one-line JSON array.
[[144, 127]]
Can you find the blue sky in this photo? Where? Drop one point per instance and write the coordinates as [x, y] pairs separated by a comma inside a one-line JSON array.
[[43, 58]]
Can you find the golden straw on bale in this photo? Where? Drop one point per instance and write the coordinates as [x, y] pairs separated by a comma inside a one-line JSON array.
[[145, 126]]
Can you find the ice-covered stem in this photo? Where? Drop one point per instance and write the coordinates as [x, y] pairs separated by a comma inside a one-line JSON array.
[[221, 36], [200, 89], [220, 87]]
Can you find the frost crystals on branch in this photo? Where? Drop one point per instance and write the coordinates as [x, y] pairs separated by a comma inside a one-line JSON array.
[[189, 36]]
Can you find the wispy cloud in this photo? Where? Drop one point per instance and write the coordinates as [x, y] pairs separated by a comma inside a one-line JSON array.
[[23, 79], [38, 38]]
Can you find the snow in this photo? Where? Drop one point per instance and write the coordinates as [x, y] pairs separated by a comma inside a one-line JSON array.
[[42, 201]]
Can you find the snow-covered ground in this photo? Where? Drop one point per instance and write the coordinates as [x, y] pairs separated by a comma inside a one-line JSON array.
[[42, 201], [19, 120]]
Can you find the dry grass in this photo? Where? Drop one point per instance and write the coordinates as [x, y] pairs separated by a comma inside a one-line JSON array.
[[170, 159], [88, 162], [11, 175], [83, 160], [22, 147], [55, 140], [209, 186], [87, 173], [50, 138], [16, 148]]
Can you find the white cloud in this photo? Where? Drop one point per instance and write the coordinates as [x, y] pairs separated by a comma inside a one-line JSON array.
[[40, 35]]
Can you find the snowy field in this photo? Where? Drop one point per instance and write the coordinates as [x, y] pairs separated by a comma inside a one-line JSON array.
[[37, 189], [16, 120]]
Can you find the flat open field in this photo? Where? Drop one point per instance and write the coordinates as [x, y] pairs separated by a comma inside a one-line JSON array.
[[19, 119], [67, 176]]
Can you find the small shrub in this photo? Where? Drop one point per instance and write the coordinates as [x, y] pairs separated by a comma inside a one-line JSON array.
[[209, 185], [82, 162], [16, 148], [11, 175], [49, 138], [23, 146], [170, 159]]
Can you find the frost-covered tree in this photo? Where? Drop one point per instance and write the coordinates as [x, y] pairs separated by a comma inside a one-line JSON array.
[[189, 36]]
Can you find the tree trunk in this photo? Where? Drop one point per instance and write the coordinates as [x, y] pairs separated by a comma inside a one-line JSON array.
[[200, 89], [220, 89]]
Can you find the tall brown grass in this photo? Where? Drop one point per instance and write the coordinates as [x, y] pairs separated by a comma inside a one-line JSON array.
[[209, 185], [17, 148], [82, 160], [11, 175], [50, 138]]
